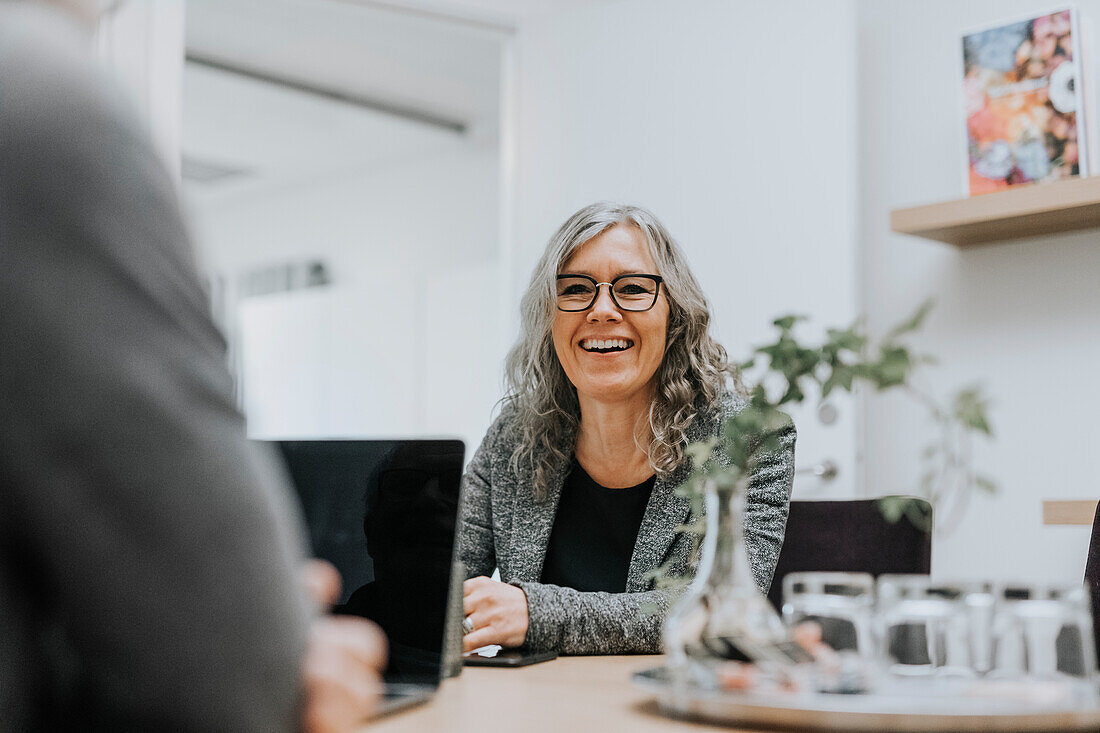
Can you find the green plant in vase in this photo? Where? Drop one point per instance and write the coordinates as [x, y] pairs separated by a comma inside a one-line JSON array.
[[724, 615]]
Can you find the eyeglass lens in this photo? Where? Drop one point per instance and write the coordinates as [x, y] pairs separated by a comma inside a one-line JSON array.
[[630, 293]]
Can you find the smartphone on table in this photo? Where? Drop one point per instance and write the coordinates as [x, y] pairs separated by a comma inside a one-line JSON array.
[[509, 658]]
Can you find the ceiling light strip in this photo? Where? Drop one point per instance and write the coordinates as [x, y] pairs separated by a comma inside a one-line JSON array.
[[455, 14], [336, 95]]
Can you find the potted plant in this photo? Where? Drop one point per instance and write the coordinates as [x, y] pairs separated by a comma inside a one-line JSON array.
[[723, 615]]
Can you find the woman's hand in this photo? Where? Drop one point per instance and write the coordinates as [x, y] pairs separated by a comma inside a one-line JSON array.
[[497, 611]]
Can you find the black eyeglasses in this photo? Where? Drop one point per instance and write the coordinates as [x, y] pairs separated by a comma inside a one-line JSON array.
[[629, 292]]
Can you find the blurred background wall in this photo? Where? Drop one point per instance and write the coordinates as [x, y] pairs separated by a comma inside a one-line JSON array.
[[772, 138], [1022, 318], [735, 123], [360, 144], [143, 45]]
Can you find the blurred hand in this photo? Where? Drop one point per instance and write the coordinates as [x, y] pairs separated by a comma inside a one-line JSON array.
[[322, 583], [344, 660], [808, 635], [498, 612]]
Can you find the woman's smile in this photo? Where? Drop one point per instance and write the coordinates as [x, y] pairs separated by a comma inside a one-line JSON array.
[[609, 353], [606, 345]]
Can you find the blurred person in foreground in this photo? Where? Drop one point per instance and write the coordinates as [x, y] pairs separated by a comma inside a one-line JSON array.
[[572, 494], [150, 559], [1092, 578]]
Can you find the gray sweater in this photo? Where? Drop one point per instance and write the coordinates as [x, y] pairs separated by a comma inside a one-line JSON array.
[[503, 526]]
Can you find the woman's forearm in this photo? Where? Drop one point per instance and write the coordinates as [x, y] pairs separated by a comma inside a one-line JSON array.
[[577, 622]]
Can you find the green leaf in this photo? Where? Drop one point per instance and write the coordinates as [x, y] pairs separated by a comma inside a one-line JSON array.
[[840, 376], [918, 513], [787, 322], [701, 451], [793, 394], [893, 367], [985, 484], [969, 409], [912, 323], [696, 527], [892, 508], [689, 488], [847, 338]]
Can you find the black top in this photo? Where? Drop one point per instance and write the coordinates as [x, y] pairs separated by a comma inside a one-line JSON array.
[[594, 533]]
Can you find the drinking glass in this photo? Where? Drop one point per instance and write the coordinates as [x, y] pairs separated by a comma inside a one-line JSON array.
[[842, 604], [932, 628], [980, 607], [1043, 631]]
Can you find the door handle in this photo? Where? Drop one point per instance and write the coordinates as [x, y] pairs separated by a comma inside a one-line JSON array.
[[827, 470]]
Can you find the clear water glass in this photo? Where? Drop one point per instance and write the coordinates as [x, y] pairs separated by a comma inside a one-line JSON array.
[[1043, 632], [980, 606], [929, 628], [842, 604]]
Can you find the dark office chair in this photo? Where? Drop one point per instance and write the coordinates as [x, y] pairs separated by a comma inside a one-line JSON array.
[[851, 536], [1092, 578]]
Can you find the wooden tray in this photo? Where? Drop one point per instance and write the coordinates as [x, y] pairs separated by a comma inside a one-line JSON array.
[[905, 705]]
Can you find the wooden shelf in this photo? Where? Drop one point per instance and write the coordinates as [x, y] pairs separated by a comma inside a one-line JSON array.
[[1072, 511], [1028, 211]]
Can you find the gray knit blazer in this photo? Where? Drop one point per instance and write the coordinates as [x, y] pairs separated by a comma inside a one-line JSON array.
[[503, 526]]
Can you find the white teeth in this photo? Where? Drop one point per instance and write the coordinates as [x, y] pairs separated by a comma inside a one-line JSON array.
[[592, 344]]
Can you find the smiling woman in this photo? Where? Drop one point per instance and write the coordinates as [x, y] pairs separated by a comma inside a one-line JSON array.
[[572, 492]]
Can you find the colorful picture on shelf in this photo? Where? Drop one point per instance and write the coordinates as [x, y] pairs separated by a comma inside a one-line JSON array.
[[1024, 111]]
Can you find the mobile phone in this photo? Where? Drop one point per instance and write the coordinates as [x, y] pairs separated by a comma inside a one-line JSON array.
[[509, 658]]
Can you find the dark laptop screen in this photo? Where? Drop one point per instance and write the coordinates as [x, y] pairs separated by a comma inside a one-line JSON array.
[[384, 513]]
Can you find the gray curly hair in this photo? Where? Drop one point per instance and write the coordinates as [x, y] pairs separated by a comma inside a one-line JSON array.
[[693, 375]]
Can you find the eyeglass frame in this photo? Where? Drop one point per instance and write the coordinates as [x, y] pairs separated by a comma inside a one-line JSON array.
[[611, 290]]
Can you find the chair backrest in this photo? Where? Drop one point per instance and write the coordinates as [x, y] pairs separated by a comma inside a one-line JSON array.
[[849, 536]]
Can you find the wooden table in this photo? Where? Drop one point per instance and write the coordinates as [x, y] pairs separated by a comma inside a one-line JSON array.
[[566, 695], [583, 694]]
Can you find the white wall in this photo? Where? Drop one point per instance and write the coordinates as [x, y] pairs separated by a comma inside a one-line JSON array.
[[404, 340], [143, 45], [1021, 318], [734, 124]]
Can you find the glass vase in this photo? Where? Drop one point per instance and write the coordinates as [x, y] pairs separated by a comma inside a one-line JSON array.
[[723, 616]]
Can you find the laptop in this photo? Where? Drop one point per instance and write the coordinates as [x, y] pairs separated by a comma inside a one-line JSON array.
[[384, 512]]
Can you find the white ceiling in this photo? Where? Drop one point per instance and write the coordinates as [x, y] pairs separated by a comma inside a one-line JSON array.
[[508, 13], [438, 58], [280, 136]]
